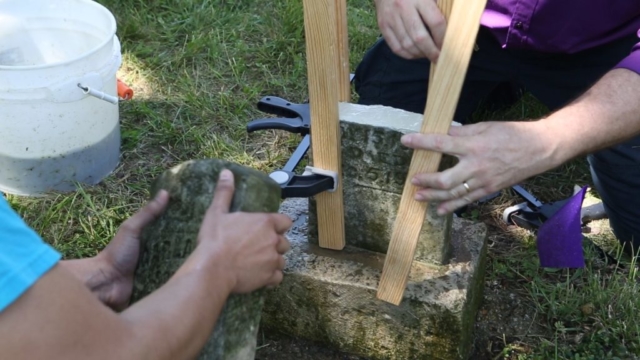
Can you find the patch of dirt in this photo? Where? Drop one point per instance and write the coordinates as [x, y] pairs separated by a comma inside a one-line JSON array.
[[505, 320]]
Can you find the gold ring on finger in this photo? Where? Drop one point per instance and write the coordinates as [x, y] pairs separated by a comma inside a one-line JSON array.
[[466, 186]]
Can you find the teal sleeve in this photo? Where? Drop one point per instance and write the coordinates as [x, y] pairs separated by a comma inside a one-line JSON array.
[[24, 256]]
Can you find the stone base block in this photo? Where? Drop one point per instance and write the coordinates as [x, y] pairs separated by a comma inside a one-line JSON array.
[[330, 297]]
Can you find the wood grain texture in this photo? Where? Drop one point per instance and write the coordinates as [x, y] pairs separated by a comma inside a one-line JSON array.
[[445, 6], [344, 84], [441, 104], [321, 32]]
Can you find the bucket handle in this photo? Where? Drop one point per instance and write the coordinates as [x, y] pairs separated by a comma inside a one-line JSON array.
[[98, 94], [124, 92]]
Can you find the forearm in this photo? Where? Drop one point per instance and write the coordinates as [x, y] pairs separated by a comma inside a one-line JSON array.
[[67, 322], [183, 311], [59, 318], [605, 115]]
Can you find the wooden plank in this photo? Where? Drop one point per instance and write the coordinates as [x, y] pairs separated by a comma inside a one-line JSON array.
[[441, 104], [344, 84], [445, 6], [320, 21]]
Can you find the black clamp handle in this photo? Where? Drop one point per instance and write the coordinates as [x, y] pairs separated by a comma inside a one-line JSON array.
[[294, 118]]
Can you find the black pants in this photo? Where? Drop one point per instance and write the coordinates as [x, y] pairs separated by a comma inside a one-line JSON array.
[[383, 78]]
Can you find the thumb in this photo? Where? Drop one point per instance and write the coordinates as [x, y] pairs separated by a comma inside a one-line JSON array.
[[223, 194], [147, 214]]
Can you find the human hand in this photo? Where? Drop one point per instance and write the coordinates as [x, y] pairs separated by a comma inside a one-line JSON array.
[[412, 28], [250, 245], [113, 268], [492, 156]]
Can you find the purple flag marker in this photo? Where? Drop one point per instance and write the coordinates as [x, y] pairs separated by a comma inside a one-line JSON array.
[[560, 237]]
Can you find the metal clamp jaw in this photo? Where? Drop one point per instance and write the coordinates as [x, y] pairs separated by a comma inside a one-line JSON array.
[[312, 182], [314, 171]]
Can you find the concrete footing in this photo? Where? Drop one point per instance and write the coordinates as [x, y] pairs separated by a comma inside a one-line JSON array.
[[330, 297]]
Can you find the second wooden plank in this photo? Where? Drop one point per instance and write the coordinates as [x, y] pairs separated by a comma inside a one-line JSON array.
[[442, 101]]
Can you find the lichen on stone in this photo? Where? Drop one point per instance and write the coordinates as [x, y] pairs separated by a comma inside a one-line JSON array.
[[167, 242], [375, 165]]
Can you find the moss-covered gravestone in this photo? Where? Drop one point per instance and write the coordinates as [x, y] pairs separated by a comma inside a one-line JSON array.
[[167, 242], [374, 169]]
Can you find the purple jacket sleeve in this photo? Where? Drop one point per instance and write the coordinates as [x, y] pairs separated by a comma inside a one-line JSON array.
[[631, 62]]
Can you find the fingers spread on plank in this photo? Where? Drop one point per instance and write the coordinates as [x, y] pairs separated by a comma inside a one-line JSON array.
[[444, 180], [392, 29], [434, 142], [467, 130], [452, 205], [421, 40], [407, 47], [435, 20], [442, 195]]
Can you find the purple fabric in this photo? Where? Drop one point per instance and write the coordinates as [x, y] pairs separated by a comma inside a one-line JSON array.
[[560, 237], [632, 62], [564, 26]]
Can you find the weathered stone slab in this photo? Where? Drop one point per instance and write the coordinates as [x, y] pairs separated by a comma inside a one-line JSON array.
[[330, 297], [168, 242], [374, 168]]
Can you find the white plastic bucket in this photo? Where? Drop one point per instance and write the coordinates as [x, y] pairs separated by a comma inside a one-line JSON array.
[[52, 132]]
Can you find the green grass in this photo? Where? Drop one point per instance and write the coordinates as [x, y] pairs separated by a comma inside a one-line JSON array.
[[199, 67], [586, 313]]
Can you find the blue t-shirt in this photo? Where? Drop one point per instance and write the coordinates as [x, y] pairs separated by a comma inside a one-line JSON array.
[[24, 256]]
